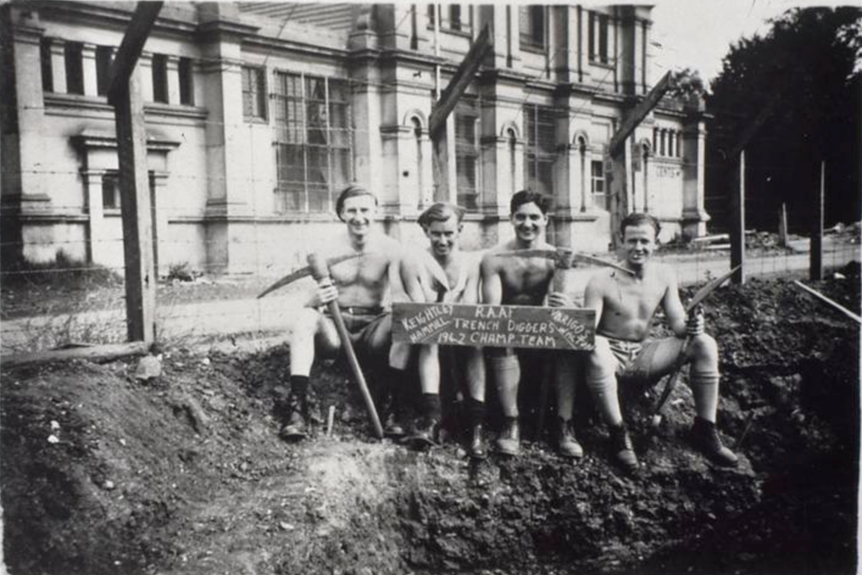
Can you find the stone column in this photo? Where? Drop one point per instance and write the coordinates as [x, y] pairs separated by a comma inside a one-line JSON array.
[[173, 66], [58, 65], [88, 53], [161, 241], [503, 19], [694, 216], [97, 248]]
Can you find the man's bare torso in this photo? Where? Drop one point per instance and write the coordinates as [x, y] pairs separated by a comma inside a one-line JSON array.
[[364, 281], [629, 303], [524, 281]]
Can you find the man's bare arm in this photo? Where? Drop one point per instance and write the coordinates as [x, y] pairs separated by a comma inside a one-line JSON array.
[[492, 285], [471, 288], [594, 296], [406, 277], [673, 309]]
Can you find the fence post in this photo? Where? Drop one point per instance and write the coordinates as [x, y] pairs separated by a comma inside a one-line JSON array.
[[817, 227], [782, 225], [737, 221]]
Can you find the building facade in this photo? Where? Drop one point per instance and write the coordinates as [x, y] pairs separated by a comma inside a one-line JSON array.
[[258, 113]]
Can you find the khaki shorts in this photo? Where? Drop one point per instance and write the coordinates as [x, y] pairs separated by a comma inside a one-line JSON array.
[[648, 360]]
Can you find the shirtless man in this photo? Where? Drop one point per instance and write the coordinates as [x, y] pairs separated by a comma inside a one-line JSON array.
[[525, 281], [363, 287], [625, 307], [442, 224]]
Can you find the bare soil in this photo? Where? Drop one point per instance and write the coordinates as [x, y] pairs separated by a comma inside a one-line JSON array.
[[102, 473]]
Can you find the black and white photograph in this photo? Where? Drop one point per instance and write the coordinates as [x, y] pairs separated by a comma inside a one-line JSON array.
[[455, 288]]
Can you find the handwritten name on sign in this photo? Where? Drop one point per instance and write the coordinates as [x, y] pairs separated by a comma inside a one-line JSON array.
[[494, 326]]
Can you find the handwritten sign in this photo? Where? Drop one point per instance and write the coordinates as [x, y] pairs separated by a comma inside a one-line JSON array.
[[494, 326]]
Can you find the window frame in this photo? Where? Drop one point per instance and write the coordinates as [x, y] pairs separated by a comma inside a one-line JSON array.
[[293, 131], [468, 198], [533, 19], [159, 69], [537, 154], [596, 179], [185, 71], [73, 57], [254, 94], [104, 57]]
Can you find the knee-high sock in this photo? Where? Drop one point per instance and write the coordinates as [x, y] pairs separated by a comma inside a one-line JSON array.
[[604, 390], [704, 388], [507, 373]]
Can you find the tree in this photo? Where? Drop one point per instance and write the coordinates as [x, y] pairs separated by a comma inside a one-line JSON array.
[[812, 57]]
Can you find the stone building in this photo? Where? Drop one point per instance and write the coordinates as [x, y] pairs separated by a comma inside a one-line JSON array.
[[257, 113]]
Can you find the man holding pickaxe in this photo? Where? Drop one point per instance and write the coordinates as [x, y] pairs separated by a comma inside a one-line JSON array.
[[625, 308], [525, 280], [365, 272]]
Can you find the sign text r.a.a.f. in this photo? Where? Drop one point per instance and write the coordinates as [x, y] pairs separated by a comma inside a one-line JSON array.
[[493, 312]]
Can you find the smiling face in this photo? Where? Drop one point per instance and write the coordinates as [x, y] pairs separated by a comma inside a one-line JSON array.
[[444, 236], [358, 213], [639, 244], [529, 222]]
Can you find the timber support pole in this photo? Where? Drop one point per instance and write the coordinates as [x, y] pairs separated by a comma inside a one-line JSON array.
[[816, 256], [124, 94], [737, 220]]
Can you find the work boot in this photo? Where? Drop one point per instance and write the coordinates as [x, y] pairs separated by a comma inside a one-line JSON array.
[[567, 444], [392, 427], [425, 433], [704, 436], [623, 449], [477, 443], [294, 426], [509, 440]]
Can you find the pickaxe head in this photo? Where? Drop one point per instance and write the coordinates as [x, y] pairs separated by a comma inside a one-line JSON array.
[[563, 257], [306, 271], [704, 292]]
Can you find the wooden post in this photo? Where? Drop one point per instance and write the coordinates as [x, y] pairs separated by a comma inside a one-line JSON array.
[[737, 226], [135, 208], [782, 225], [124, 93], [816, 255]]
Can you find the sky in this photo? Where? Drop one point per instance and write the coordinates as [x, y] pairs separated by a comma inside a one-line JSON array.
[[698, 33]]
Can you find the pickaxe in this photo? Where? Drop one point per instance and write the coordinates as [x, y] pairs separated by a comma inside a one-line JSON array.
[[673, 378], [563, 258], [433, 267], [320, 272]]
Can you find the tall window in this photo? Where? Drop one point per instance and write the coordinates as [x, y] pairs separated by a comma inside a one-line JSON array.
[[253, 93], [103, 68], [47, 69], [186, 81], [455, 17], [467, 153], [598, 184], [541, 148], [313, 136], [73, 52], [531, 21], [599, 26], [111, 191], [160, 78]]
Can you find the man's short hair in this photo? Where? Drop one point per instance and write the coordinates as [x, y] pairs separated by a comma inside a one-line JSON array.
[[638, 218], [351, 191], [440, 212], [526, 196]]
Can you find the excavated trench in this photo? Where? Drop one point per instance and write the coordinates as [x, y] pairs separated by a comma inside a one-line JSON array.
[[184, 474]]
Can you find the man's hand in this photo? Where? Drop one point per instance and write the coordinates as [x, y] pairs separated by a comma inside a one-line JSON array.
[[324, 294], [559, 300], [694, 325]]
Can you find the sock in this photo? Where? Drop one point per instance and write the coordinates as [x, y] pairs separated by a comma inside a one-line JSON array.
[[431, 406], [604, 391], [299, 386], [475, 411], [704, 388]]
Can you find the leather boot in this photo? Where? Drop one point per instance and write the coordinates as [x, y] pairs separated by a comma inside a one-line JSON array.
[[477, 443], [623, 449], [567, 444], [294, 425], [509, 440], [705, 438]]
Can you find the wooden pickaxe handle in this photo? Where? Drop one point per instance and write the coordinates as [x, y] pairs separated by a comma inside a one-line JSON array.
[[320, 273]]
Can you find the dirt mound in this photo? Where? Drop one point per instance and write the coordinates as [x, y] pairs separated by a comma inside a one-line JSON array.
[[103, 473]]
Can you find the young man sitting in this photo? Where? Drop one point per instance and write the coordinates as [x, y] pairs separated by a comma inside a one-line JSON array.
[[363, 287], [625, 308]]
